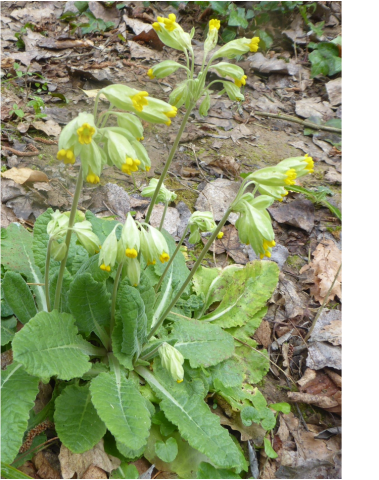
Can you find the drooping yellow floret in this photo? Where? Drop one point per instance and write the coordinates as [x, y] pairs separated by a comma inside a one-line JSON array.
[[171, 113], [92, 178], [291, 176], [156, 26], [179, 381], [165, 257], [66, 156], [130, 165], [170, 22], [241, 81], [310, 163], [214, 24], [106, 268], [150, 73], [139, 100], [85, 133], [220, 235], [131, 252], [253, 45]]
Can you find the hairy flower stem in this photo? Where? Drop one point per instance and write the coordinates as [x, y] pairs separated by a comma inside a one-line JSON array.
[[114, 298], [171, 259], [163, 216], [47, 268], [71, 221], [169, 160], [192, 272]]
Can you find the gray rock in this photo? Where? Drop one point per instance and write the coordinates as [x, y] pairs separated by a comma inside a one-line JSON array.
[[216, 197], [322, 354], [279, 255]]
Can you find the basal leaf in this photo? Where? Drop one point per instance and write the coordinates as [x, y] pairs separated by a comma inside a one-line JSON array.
[[122, 408], [49, 345], [202, 343], [125, 471], [241, 291], [147, 293], [18, 392], [283, 407], [101, 227], [40, 241], [270, 452], [168, 450], [17, 256], [91, 266], [206, 470], [19, 297], [89, 302], [230, 373], [8, 329], [191, 414], [76, 421]]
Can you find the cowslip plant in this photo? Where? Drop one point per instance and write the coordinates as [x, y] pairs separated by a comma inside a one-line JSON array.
[[129, 338]]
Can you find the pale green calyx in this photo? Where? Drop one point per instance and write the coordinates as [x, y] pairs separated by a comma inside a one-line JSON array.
[[233, 92], [130, 238], [172, 360], [205, 104], [108, 252], [237, 47], [200, 222], [87, 237], [133, 271], [58, 225], [164, 194], [179, 95], [159, 244], [58, 250], [164, 69]]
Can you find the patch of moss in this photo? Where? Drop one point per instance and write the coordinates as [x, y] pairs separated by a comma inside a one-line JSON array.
[[295, 262]]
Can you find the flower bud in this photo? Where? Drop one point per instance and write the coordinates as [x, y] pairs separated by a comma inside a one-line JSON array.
[[179, 94], [164, 194], [58, 225], [234, 71], [126, 98], [121, 153], [142, 155], [130, 123], [133, 271], [164, 69], [147, 248], [212, 37], [130, 237], [160, 244], [108, 252], [200, 222], [87, 237], [171, 33], [233, 92], [302, 165], [172, 360], [237, 47]]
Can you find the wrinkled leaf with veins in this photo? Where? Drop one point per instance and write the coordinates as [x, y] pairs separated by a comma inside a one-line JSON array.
[[241, 290], [18, 392], [19, 297], [8, 330]]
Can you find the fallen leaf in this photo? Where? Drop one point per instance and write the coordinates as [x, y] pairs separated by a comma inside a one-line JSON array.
[[263, 334], [7, 216], [151, 38], [47, 464], [138, 51], [23, 175], [317, 400], [93, 93], [50, 127], [334, 89], [296, 31], [72, 463], [322, 270], [328, 328], [299, 213], [322, 354], [94, 472], [240, 131], [226, 163], [136, 25], [314, 107], [112, 197], [272, 65], [34, 13], [23, 127], [108, 14]]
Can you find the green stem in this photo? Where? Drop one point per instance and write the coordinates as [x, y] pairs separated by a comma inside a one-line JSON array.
[[75, 201], [171, 259], [163, 216], [114, 297], [192, 272], [96, 105], [151, 354], [168, 163], [47, 268]]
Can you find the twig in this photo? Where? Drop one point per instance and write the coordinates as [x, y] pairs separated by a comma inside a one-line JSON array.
[[301, 122], [322, 306]]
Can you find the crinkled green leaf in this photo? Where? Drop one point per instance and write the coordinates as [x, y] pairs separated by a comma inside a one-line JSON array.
[[7, 471], [230, 373], [206, 470], [8, 329], [125, 471], [101, 227], [241, 290], [147, 293], [250, 415], [122, 408], [202, 343], [19, 297], [77, 423], [166, 427], [130, 453], [17, 256], [49, 345], [283, 407], [270, 452], [18, 392], [325, 59], [196, 423], [168, 450], [89, 302], [91, 266]]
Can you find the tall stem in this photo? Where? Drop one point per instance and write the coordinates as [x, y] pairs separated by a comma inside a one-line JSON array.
[[163, 216], [168, 163], [114, 298], [171, 259], [47, 268], [71, 221], [192, 272]]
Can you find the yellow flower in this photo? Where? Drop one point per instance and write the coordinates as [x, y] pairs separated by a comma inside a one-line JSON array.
[[179, 381], [214, 24], [291, 176], [156, 26], [106, 268], [169, 22], [253, 45], [164, 257], [241, 81], [66, 156], [92, 178], [139, 100], [220, 235], [171, 113], [85, 132], [150, 72], [131, 252], [310, 163], [266, 245], [147, 169], [283, 195], [130, 165]]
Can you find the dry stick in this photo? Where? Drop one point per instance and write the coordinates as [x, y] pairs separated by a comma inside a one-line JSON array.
[[302, 122], [44, 445], [322, 306]]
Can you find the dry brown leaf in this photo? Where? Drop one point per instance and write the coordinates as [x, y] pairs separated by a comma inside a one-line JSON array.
[[151, 38], [263, 334], [317, 400], [47, 465], [94, 472], [227, 164], [326, 261], [72, 463], [50, 127], [23, 175]]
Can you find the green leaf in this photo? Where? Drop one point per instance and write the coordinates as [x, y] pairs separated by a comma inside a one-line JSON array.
[[125, 470], [18, 392], [196, 423], [7, 471], [325, 59], [8, 329], [219, 7], [265, 39], [268, 419], [203, 344], [147, 293], [49, 345], [81, 6], [206, 470], [91, 266], [283, 407], [19, 297], [76, 421], [241, 291], [230, 373], [166, 427], [89, 302], [17, 255], [122, 408], [228, 35], [129, 453], [250, 415], [102, 227], [270, 452], [167, 451], [237, 17]]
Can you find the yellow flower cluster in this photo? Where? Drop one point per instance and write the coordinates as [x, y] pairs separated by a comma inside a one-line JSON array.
[[85, 133], [310, 163], [92, 178], [214, 24], [266, 246], [164, 257], [104, 267], [241, 81], [291, 177], [150, 73], [253, 45], [169, 23], [66, 156], [131, 252], [130, 165], [139, 100]]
